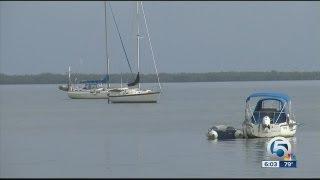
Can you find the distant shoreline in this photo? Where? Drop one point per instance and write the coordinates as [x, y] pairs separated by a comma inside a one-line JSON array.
[[51, 78]]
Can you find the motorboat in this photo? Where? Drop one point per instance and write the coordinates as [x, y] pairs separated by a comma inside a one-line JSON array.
[[272, 116]]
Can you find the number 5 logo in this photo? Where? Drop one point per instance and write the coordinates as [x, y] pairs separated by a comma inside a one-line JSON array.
[[278, 147]]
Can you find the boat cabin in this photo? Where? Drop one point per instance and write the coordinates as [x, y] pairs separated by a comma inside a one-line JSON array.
[[89, 86]]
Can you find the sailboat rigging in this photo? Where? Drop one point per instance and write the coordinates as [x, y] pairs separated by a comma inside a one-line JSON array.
[[119, 35], [131, 94], [93, 89]]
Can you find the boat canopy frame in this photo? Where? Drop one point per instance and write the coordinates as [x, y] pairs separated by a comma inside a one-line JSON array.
[[285, 103]]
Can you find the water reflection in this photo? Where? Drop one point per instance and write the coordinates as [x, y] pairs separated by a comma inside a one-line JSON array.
[[253, 150]]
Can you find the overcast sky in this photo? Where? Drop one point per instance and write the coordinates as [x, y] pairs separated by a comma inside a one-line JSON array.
[[187, 36]]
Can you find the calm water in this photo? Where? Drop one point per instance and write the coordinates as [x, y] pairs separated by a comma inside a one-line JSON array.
[[43, 133]]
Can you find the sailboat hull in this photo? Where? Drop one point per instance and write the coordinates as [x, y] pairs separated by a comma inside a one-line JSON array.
[[88, 94], [150, 97]]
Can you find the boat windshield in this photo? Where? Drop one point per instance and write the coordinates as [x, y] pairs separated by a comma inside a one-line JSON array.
[[273, 108], [269, 104]]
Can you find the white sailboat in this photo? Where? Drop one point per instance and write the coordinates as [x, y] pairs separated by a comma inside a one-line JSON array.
[[133, 94], [93, 89]]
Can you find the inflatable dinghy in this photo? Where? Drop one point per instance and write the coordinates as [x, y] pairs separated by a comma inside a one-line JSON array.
[[221, 132]]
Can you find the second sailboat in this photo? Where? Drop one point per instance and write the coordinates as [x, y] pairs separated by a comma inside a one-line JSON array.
[[133, 93]]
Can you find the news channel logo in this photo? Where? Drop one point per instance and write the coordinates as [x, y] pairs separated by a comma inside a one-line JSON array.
[[280, 150]]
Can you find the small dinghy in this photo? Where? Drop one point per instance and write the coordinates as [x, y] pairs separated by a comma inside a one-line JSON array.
[[222, 132], [64, 87]]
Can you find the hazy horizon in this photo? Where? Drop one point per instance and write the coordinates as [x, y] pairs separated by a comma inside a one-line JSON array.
[[115, 73], [191, 37]]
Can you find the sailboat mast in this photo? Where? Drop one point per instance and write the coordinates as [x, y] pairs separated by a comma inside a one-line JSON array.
[[121, 80], [152, 53], [107, 54], [138, 41], [69, 79]]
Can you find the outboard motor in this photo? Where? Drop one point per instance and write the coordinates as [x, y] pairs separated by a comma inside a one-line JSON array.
[[224, 132]]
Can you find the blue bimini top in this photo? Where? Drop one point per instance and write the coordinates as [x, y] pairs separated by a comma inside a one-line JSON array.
[[274, 95], [104, 80]]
